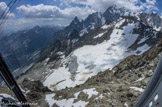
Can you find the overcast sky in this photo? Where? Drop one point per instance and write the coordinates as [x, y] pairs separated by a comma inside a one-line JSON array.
[[29, 13]]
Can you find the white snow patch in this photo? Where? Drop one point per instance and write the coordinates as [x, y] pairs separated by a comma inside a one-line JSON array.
[[31, 79], [157, 29], [93, 26], [121, 21], [59, 75], [107, 54], [27, 91], [150, 104], [90, 92], [7, 96], [84, 31], [47, 59], [65, 102], [80, 104], [49, 99], [74, 40], [99, 35], [21, 89], [105, 26], [142, 40], [137, 89], [140, 79], [126, 105], [156, 97], [143, 48], [99, 97]]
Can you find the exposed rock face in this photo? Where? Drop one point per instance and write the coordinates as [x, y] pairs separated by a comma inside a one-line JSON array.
[[35, 91], [117, 85], [152, 19], [36, 86], [93, 21], [113, 13]]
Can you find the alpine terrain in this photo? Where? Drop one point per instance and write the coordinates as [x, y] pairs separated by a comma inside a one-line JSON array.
[[105, 60]]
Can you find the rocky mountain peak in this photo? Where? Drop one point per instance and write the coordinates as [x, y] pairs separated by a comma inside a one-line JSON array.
[[113, 7], [113, 12], [94, 20], [75, 21], [152, 19], [36, 27]]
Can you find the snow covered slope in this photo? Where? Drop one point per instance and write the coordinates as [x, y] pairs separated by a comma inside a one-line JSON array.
[[87, 60]]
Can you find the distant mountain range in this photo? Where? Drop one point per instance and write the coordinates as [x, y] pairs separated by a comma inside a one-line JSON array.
[[21, 47]]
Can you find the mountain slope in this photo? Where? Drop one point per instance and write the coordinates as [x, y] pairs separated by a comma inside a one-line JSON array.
[[90, 59], [100, 49], [24, 45], [119, 87]]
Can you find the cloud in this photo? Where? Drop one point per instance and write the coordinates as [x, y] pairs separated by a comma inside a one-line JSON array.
[[82, 8], [49, 11], [13, 25], [102, 5], [151, 2], [40, 11], [82, 13], [47, 15], [42, 14], [4, 7]]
